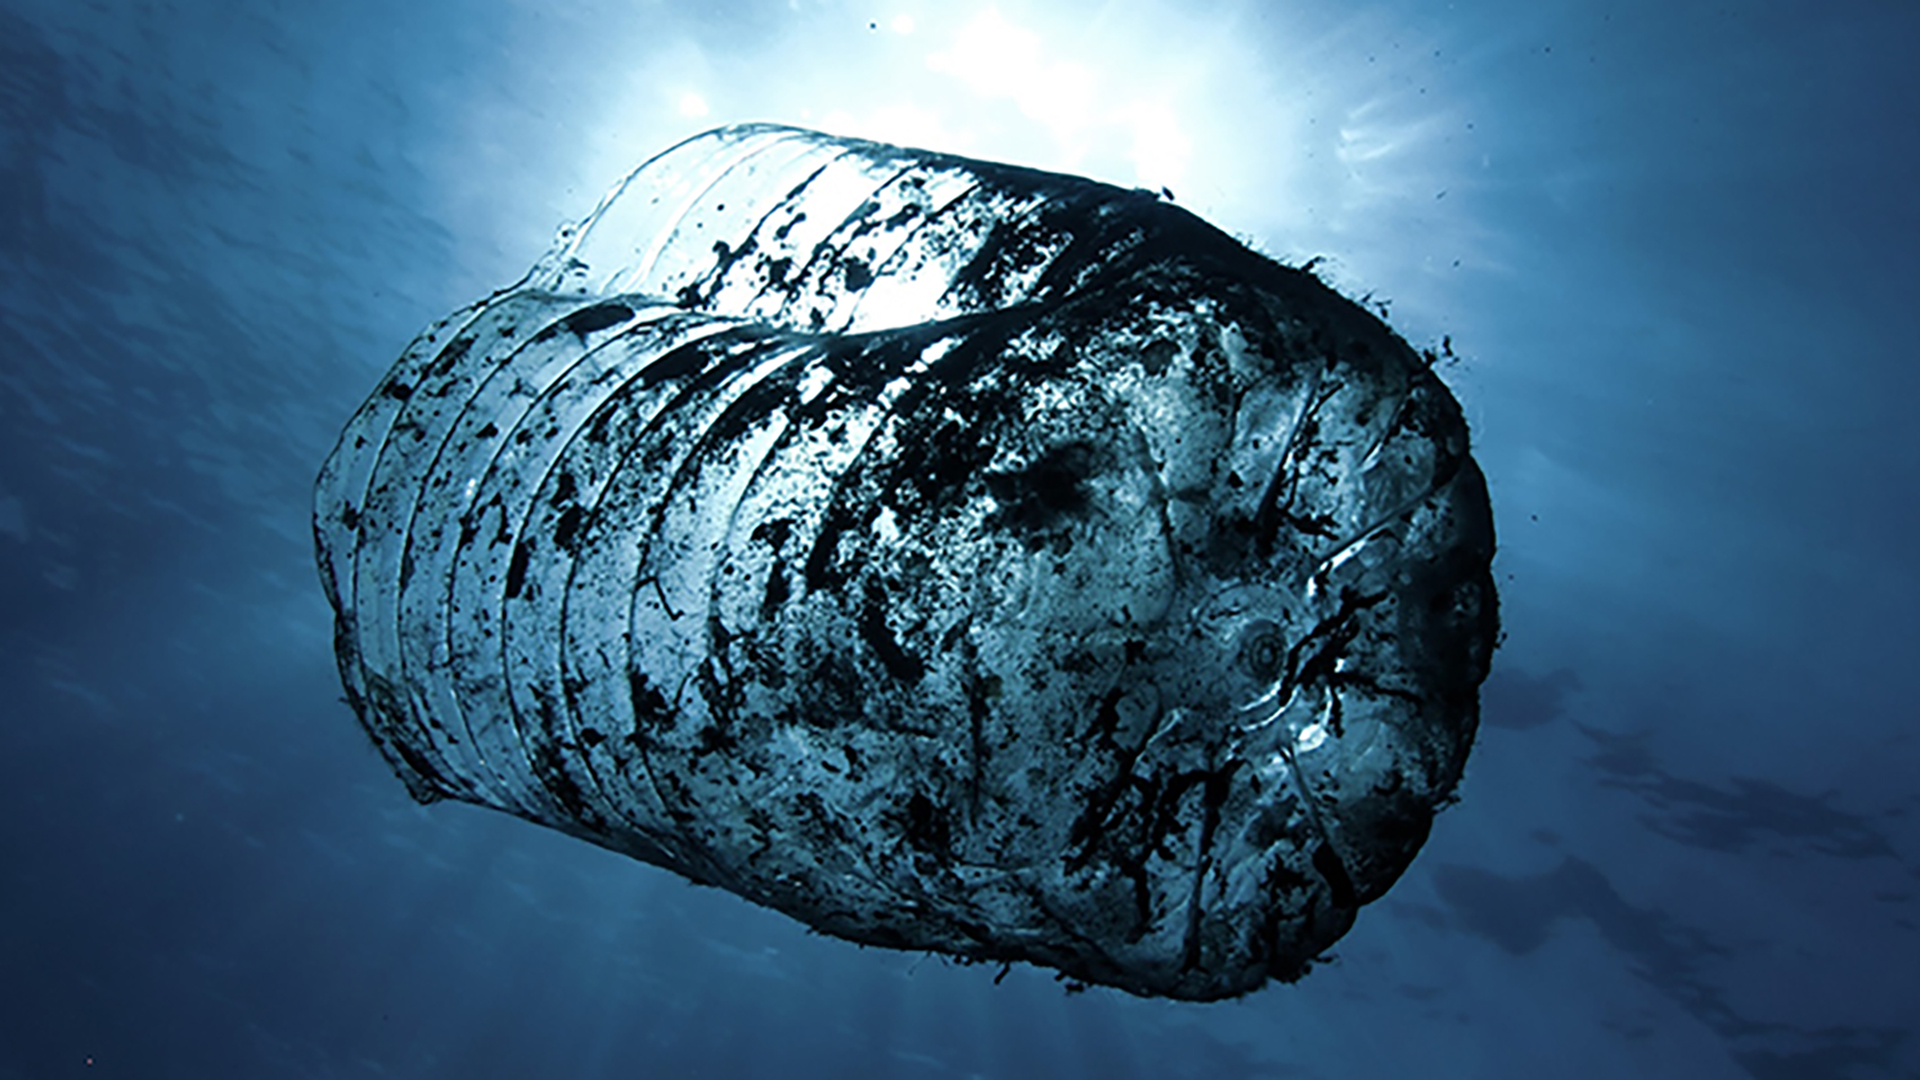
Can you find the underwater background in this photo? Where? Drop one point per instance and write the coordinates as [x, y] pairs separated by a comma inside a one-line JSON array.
[[1668, 252]]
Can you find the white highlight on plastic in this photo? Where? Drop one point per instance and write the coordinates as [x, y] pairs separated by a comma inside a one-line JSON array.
[[815, 380], [1310, 738]]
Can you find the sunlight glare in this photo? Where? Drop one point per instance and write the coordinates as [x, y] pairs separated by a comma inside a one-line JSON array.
[[997, 59], [1160, 148]]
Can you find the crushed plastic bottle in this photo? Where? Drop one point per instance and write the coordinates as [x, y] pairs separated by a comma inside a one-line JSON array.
[[953, 556]]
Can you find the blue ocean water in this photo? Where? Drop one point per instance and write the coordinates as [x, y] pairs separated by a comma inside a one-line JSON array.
[[1671, 245]]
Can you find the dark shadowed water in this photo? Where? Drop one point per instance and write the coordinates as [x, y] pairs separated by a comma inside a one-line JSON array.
[[1671, 244]]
